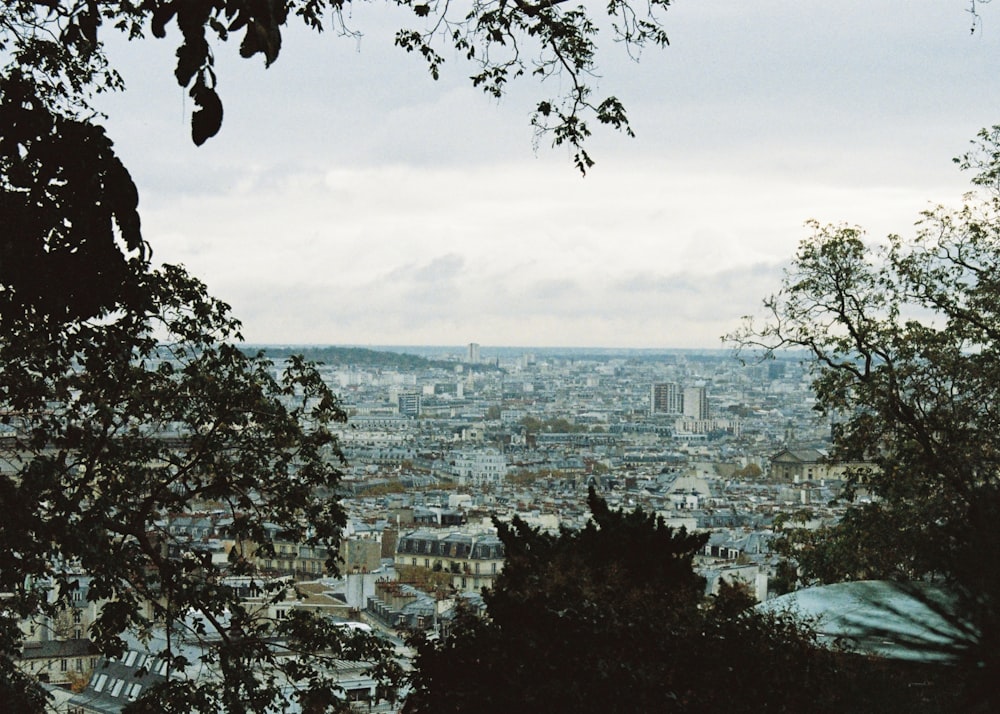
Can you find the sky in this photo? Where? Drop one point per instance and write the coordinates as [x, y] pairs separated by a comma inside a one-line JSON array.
[[350, 199]]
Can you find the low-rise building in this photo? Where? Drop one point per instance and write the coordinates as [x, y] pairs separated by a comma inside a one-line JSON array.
[[800, 465], [473, 560]]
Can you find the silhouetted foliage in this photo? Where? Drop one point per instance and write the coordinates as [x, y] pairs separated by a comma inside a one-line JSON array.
[[113, 422], [68, 207], [905, 344], [105, 429], [612, 618]]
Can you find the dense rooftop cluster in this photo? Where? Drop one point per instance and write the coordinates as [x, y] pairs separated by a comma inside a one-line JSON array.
[[441, 450]]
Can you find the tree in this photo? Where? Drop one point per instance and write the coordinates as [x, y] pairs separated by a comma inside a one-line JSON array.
[[102, 356], [69, 203], [58, 44], [613, 618], [113, 422], [750, 471], [904, 341]]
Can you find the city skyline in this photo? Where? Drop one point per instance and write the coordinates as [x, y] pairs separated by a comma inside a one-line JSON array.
[[351, 200]]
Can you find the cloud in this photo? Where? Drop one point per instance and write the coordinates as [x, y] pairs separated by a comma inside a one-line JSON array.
[[350, 199], [361, 255], [639, 310], [442, 268]]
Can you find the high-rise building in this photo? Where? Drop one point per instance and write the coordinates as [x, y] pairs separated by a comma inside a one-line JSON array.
[[473, 353], [666, 398], [409, 404], [696, 403]]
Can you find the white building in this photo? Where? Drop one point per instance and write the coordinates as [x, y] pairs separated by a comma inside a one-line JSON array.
[[696, 403], [480, 467]]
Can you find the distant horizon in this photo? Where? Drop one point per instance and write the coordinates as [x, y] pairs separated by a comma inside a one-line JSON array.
[[482, 345], [506, 350]]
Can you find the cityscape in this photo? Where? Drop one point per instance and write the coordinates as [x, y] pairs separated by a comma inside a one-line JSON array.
[[475, 358], [441, 443]]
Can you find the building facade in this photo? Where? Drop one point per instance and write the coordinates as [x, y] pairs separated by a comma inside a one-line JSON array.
[[472, 560], [481, 467], [666, 398], [696, 403]]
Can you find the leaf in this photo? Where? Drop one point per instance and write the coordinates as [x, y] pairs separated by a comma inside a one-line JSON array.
[[190, 59], [261, 38], [207, 120], [162, 14], [251, 41]]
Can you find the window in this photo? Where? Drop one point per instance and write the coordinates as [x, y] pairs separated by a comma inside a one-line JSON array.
[[99, 683], [63, 665], [116, 687], [133, 691], [79, 664], [77, 617], [358, 695]]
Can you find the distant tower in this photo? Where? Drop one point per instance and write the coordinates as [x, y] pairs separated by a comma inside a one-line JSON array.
[[473, 353], [666, 398], [696, 402]]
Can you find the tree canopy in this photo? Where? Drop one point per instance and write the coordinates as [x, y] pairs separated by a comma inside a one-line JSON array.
[[57, 45], [612, 618], [112, 424], [123, 397], [904, 338]]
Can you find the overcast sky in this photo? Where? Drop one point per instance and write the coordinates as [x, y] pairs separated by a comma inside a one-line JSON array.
[[349, 199]]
